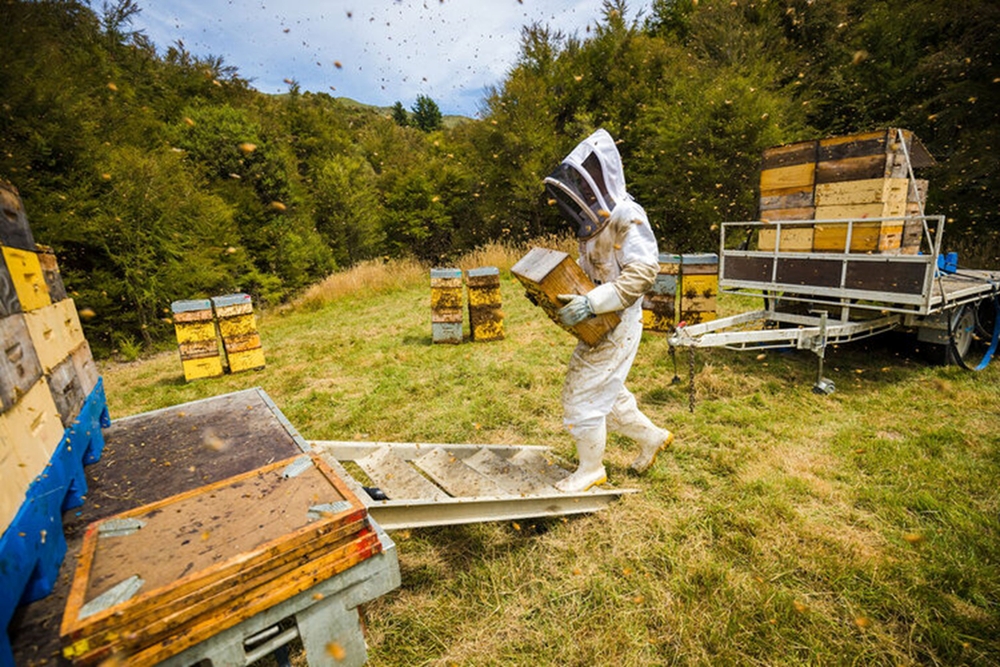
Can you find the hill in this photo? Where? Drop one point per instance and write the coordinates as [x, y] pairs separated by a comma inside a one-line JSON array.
[[447, 120]]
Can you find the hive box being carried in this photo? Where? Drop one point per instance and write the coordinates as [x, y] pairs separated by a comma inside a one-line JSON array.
[[545, 275], [158, 579]]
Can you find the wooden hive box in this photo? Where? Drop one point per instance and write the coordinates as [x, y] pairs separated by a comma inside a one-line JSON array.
[[238, 328], [447, 312], [787, 182], [158, 579], [55, 332], [699, 287], [659, 305], [197, 341], [25, 271], [19, 365], [51, 273], [485, 313], [545, 274]]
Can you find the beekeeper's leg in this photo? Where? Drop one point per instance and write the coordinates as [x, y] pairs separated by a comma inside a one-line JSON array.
[[590, 451], [626, 418]]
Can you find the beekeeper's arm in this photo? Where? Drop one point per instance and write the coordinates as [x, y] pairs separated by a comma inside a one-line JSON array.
[[636, 253]]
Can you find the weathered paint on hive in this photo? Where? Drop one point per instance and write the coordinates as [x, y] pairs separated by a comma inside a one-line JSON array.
[[246, 360], [55, 332], [26, 275], [192, 332], [207, 367], [20, 368], [241, 325]]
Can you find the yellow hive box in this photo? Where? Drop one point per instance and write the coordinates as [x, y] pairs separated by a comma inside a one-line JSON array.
[[206, 367], [29, 280], [700, 285], [485, 315], [883, 237], [194, 332], [241, 325], [55, 332], [246, 361], [793, 239]]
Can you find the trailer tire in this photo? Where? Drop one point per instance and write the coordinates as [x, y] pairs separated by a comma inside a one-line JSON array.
[[963, 328]]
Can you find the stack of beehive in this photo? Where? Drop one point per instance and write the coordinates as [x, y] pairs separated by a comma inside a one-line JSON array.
[[485, 314], [685, 290], [238, 328], [52, 408], [699, 287], [859, 177], [659, 306], [446, 305], [154, 581], [194, 325]]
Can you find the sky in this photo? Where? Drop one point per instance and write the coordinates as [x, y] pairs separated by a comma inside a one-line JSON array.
[[373, 51]]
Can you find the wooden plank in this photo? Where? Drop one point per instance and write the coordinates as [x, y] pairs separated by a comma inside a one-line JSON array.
[[793, 239], [794, 198], [396, 478], [514, 479], [20, 368], [888, 191], [67, 391], [454, 476], [545, 274], [801, 152], [788, 214], [832, 237], [851, 169], [26, 274], [793, 176], [866, 144]]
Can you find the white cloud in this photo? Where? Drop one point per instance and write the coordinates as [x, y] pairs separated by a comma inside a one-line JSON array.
[[388, 50]]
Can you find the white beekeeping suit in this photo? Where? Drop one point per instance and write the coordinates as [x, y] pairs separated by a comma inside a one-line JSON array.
[[618, 252]]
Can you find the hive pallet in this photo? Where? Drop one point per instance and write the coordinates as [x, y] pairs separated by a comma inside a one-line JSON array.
[[205, 562]]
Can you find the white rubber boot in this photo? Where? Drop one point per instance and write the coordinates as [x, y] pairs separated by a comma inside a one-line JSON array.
[[627, 419], [590, 450]]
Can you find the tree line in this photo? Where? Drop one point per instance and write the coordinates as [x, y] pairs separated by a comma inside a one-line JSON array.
[[162, 176]]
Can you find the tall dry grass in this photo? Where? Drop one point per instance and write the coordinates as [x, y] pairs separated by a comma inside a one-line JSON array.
[[379, 277]]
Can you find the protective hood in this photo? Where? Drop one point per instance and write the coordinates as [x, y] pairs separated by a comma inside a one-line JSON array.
[[589, 183]]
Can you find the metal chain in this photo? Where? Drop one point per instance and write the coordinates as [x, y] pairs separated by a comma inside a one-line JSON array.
[[691, 379]]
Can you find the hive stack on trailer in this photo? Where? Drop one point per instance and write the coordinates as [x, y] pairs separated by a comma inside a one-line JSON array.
[[485, 314], [52, 408], [197, 341], [659, 306], [865, 178], [238, 328], [446, 305]]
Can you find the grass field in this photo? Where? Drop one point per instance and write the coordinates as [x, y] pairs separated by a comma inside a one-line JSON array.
[[785, 527]]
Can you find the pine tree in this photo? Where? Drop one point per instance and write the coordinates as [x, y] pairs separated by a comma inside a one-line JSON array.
[[400, 115], [426, 114]]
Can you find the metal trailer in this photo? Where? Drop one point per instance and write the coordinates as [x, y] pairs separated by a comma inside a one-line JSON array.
[[815, 299]]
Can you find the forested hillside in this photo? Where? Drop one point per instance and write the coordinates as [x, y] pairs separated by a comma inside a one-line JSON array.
[[161, 174]]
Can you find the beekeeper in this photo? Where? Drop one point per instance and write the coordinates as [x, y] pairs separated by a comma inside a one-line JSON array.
[[618, 252]]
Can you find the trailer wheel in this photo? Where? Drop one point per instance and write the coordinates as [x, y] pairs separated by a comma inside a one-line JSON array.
[[963, 327]]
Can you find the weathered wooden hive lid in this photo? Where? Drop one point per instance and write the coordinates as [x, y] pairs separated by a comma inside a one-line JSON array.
[[699, 258], [230, 300], [190, 305], [446, 273], [484, 271]]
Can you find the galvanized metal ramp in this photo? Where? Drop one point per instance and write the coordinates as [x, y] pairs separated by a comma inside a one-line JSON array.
[[442, 485]]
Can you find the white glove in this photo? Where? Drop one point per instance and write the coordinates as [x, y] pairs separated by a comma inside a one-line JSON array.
[[576, 310]]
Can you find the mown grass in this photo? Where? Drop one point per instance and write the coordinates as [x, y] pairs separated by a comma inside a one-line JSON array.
[[859, 528]]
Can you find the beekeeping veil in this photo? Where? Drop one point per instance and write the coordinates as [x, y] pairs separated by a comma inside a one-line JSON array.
[[589, 183]]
